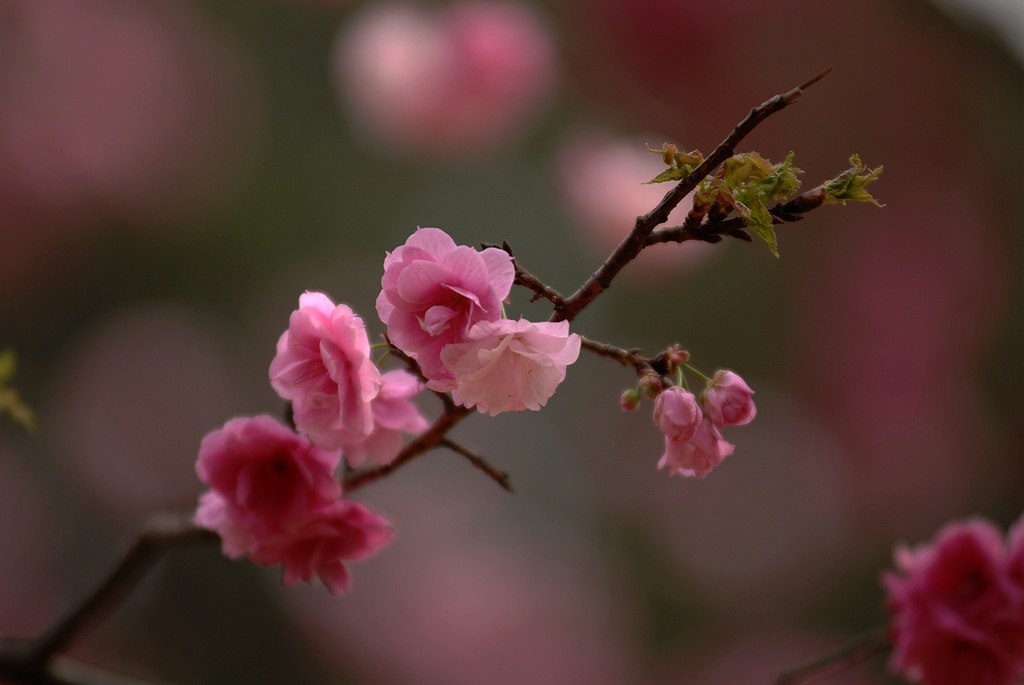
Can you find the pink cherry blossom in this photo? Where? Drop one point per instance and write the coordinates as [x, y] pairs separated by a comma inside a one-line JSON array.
[[509, 365], [676, 413], [447, 82], [323, 366], [394, 414], [433, 291], [957, 615], [268, 477], [330, 536], [697, 455], [727, 400], [215, 513]]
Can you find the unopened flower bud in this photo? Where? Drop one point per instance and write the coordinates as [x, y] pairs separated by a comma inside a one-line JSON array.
[[675, 357], [651, 384], [630, 399], [727, 400]]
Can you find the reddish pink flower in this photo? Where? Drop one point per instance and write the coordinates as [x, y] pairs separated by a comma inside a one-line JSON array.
[[394, 414], [957, 614], [268, 477], [330, 536], [446, 83], [509, 365], [727, 400], [697, 455], [323, 366], [433, 291], [676, 413], [215, 513]]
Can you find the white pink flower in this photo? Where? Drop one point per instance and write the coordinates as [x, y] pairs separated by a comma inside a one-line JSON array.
[[323, 366], [449, 82], [727, 400], [509, 365], [957, 609], [433, 291]]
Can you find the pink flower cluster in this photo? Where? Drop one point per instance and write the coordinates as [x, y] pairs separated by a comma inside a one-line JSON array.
[[442, 304], [693, 443], [273, 496], [957, 607], [339, 397]]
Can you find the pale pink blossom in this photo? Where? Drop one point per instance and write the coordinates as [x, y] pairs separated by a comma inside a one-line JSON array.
[[957, 614], [268, 476], [323, 366], [676, 413], [509, 365], [447, 82], [394, 415], [727, 400], [433, 291], [697, 454], [327, 538]]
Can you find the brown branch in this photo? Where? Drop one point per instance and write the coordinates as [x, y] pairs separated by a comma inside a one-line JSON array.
[[633, 243], [527, 280], [623, 356], [493, 472], [853, 652], [35, 661], [426, 441]]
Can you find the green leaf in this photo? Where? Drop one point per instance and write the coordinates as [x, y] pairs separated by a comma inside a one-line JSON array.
[[680, 164], [8, 364], [851, 184], [670, 174], [10, 401]]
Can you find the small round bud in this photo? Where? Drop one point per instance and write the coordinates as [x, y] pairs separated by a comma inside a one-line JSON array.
[[630, 399], [651, 384]]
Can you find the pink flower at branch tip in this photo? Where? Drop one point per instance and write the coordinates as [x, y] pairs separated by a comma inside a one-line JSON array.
[[268, 478], [957, 608], [330, 536], [509, 365], [394, 414], [323, 366], [433, 291], [727, 400], [693, 445]]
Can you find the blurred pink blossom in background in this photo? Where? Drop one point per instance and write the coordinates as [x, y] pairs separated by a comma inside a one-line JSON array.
[[603, 182], [449, 82]]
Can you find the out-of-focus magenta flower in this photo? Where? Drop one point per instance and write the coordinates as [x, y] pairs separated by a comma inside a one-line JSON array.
[[394, 414], [957, 613], [676, 413], [323, 366], [508, 365], [433, 291], [448, 83], [697, 455], [328, 537], [603, 182], [727, 400], [269, 478]]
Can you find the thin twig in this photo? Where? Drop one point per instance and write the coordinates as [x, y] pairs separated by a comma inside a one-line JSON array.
[[526, 279], [413, 366], [426, 441], [633, 243], [623, 356], [850, 654], [497, 475]]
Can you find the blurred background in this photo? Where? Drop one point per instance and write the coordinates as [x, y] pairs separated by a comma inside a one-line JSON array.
[[173, 175]]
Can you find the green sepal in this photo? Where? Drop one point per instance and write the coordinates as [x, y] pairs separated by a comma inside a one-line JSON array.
[[851, 184]]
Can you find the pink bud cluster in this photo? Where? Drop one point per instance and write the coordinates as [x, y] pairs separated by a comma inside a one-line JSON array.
[[273, 497], [693, 443], [442, 304], [957, 607]]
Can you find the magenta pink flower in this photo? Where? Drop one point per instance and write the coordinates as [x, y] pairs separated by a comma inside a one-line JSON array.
[[268, 477], [697, 455], [957, 612], [394, 414], [433, 291], [330, 536], [214, 513], [323, 366], [509, 365], [727, 400]]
